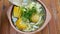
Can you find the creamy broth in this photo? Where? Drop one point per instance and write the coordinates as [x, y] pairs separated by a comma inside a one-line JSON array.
[[30, 17]]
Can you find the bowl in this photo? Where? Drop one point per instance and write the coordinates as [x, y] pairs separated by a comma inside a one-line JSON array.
[[48, 17]]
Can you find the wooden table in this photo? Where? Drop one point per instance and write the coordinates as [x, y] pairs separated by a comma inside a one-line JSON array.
[[52, 28]]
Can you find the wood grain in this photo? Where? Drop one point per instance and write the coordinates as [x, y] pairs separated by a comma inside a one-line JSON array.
[[52, 24], [52, 28], [0, 10], [57, 6], [4, 21], [0, 13]]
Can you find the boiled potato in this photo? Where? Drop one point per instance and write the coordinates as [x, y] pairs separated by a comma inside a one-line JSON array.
[[20, 25], [35, 18], [16, 12]]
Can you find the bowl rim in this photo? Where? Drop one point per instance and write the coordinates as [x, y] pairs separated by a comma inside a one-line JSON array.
[[48, 17]]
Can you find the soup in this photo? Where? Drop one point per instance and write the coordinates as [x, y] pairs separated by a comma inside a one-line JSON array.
[[28, 18]]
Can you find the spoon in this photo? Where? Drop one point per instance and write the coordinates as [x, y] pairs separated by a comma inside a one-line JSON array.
[[20, 2]]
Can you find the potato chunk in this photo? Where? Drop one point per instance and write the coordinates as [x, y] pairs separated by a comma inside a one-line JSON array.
[[35, 18]]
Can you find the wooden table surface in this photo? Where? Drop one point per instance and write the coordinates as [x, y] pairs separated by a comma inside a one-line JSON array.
[[52, 28]]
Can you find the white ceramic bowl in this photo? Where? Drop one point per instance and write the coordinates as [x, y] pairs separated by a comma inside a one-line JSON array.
[[48, 17]]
